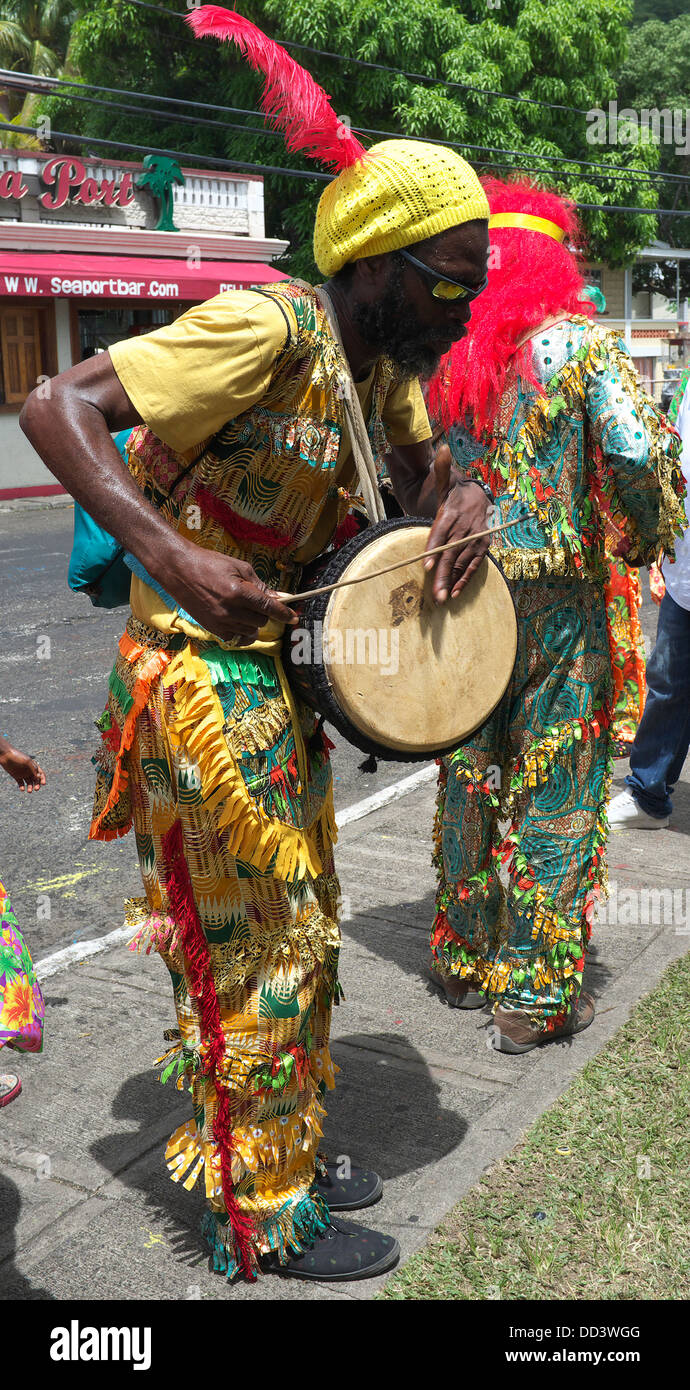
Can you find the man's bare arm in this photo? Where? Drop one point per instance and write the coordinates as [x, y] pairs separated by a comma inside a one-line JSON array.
[[70, 430]]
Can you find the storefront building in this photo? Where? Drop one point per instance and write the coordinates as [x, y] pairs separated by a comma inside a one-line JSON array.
[[656, 330], [91, 253]]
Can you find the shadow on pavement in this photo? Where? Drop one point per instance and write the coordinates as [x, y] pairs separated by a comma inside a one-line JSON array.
[[13, 1284], [596, 974], [412, 954], [168, 1205], [386, 1110], [680, 820]]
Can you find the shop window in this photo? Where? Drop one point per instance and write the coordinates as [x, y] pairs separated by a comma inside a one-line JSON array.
[[100, 328], [645, 369], [20, 353]]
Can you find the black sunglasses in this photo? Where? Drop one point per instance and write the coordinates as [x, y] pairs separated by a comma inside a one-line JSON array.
[[443, 287]]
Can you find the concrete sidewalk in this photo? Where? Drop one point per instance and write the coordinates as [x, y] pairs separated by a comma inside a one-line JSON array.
[[87, 1209]]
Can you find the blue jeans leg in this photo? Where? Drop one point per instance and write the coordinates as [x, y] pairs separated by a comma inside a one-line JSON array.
[[662, 740]]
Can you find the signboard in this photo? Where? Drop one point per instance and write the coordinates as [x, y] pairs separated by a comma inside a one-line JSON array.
[[27, 275], [89, 287], [68, 179]]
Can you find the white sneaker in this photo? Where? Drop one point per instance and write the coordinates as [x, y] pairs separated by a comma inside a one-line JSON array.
[[625, 813]]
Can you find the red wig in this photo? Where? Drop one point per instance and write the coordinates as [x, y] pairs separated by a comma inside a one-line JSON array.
[[532, 277]]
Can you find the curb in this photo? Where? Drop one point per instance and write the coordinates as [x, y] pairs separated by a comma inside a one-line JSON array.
[[34, 504]]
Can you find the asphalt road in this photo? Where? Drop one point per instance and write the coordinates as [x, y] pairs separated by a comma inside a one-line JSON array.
[[56, 652]]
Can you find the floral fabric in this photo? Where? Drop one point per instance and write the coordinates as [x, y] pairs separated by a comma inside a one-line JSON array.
[[21, 1002], [623, 597]]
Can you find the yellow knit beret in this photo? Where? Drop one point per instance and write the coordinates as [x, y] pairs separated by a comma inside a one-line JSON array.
[[401, 192]]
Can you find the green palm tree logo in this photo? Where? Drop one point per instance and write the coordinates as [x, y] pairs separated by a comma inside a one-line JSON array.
[[158, 175]]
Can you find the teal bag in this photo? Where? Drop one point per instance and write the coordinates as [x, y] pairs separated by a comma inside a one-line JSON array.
[[99, 566], [97, 563]]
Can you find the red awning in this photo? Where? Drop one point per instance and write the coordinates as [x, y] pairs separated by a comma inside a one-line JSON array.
[[125, 277]]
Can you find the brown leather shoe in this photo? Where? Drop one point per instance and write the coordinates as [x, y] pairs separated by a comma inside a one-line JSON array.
[[514, 1032], [458, 993]]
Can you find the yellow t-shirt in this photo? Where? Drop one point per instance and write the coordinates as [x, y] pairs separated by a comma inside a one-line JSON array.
[[188, 379], [212, 364]]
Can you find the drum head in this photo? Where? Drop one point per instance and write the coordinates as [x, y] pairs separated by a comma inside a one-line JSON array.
[[412, 675]]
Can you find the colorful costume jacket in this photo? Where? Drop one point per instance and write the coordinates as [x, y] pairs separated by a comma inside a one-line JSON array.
[[592, 417]]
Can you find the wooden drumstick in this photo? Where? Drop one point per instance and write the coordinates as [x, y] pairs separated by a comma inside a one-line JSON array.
[[399, 564]]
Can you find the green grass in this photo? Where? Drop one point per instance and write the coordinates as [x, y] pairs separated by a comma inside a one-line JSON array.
[[608, 1232]]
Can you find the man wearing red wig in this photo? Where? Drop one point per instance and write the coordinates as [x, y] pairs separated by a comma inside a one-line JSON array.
[[546, 407]]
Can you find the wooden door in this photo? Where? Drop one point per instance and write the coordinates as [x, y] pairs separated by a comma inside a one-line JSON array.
[[21, 352]]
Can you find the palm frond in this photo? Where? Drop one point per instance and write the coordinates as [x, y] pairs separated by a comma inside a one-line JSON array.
[[14, 41], [45, 62]]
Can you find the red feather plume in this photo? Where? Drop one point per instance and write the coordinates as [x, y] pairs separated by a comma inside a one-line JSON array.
[[291, 99]]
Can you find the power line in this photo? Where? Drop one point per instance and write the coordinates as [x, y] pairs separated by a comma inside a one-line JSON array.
[[611, 173], [26, 81], [233, 164], [178, 118], [191, 158], [7, 74], [383, 67], [23, 84]]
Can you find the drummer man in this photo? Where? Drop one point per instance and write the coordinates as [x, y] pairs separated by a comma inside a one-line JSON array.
[[247, 385]]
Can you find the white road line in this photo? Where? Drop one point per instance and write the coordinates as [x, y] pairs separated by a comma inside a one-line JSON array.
[[81, 949], [372, 803]]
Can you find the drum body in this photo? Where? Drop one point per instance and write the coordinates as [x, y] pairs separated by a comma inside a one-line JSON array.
[[396, 674]]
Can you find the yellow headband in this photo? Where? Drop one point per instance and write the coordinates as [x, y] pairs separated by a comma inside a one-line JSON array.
[[525, 219]]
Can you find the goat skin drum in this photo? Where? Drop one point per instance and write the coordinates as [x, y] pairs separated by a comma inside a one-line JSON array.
[[398, 675]]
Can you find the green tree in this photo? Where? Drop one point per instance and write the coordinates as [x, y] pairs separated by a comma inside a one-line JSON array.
[[658, 9], [563, 52], [656, 77], [34, 37]]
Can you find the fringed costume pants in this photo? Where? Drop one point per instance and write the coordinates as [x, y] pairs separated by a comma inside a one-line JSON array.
[[524, 801], [229, 788], [623, 596]]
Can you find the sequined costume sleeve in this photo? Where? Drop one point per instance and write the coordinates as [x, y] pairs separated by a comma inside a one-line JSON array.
[[640, 450]]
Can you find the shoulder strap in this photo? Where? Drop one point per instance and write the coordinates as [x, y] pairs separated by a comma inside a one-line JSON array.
[[359, 437]]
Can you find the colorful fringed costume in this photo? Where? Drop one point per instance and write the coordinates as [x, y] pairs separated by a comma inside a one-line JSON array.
[[623, 598], [223, 775], [567, 420]]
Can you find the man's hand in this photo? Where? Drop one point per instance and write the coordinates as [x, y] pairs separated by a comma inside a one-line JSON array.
[[225, 595], [462, 510]]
